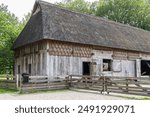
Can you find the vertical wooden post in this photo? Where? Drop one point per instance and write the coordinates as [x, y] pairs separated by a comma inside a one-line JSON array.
[[41, 59], [48, 78], [126, 85], [104, 84], [67, 81], [70, 81], [17, 81], [86, 82], [7, 86], [47, 60], [20, 79], [138, 68]]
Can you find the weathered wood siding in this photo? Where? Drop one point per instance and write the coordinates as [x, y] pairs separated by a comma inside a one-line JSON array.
[[52, 58], [66, 58], [124, 63], [35, 55], [55, 58]]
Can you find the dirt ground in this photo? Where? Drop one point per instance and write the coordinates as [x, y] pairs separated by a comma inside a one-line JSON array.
[[60, 95]]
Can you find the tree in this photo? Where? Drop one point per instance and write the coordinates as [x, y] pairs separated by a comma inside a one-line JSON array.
[[10, 27], [79, 5], [132, 12], [8, 32]]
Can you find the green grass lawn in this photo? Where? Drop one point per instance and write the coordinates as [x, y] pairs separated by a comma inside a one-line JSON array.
[[147, 98], [5, 90]]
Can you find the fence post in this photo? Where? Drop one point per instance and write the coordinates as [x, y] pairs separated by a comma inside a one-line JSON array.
[[20, 79], [70, 81], [48, 83], [126, 85], [104, 85], [86, 86], [67, 81], [17, 81]]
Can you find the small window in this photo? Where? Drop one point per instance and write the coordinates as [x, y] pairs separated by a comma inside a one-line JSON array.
[[86, 68], [18, 69], [107, 64], [29, 68]]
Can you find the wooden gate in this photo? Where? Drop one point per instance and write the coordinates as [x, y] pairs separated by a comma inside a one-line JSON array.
[[86, 82], [132, 85]]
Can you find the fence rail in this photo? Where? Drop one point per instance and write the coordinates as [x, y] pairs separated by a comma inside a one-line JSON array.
[[132, 85], [43, 83], [8, 82]]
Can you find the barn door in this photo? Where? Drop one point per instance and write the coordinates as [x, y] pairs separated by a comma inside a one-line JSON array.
[[130, 68]]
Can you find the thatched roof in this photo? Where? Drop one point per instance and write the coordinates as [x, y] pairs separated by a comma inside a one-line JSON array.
[[52, 22]]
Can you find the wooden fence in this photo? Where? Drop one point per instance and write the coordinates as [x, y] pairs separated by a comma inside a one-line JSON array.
[[86, 82], [8, 82], [138, 86], [43, 83]]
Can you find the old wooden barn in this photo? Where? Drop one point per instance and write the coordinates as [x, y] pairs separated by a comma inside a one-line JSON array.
[[57, 42]]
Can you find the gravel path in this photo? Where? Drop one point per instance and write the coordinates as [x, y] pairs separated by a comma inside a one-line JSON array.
[[60, 95]]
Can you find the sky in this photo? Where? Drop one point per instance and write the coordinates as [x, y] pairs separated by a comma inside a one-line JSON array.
[[22, 7]]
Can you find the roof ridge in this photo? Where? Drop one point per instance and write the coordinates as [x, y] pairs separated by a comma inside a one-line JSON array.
[[92, 16]]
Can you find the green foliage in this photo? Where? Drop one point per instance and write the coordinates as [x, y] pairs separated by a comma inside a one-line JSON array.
[[10, 27], [79, 5], [133, 12]]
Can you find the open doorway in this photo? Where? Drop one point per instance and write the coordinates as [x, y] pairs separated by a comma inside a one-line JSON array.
[[145, 67], [86, 68]]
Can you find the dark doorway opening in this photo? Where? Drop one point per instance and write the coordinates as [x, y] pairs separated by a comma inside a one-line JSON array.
[[86, 68], [145, 67]]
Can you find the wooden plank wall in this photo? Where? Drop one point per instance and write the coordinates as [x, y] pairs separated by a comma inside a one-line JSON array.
[[129, 61], [52, 58], [63, 65], [55, 58], [34, 54], [66, 58]]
